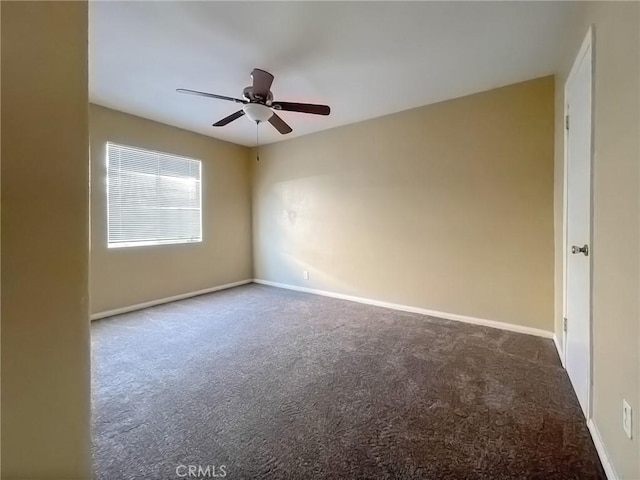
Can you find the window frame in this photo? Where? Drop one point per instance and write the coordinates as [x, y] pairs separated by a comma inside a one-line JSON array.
[[147, 243]]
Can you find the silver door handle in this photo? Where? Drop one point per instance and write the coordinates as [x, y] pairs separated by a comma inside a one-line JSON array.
[[584, 249]]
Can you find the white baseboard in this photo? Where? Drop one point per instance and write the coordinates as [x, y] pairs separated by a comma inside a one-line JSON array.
[[152, 303], [423, 311], [556, 342], [602, 451]]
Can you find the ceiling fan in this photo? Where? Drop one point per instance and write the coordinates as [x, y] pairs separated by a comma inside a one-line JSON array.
[[258, 103]]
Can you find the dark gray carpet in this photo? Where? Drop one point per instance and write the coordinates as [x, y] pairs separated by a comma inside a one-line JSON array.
[[277, 384]]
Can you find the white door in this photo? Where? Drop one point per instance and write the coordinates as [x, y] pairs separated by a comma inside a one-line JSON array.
[[578, 225]]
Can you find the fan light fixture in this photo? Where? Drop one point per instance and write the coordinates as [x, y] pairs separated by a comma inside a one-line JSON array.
[[257, 112]]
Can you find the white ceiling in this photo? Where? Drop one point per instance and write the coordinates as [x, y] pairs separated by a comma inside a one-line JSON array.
[[364, 59]]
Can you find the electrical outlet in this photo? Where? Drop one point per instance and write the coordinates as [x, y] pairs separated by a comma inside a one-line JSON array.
[[305, 274], [627, 418]]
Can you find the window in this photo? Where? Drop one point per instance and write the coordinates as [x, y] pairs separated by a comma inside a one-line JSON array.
[[153, 198]]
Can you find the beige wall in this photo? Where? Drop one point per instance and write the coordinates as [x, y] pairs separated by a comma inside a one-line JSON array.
[[447, 207], [616, 221], [127, 276], [45, 171]]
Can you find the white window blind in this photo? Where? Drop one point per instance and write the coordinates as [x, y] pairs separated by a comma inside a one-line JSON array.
[[153, 198]]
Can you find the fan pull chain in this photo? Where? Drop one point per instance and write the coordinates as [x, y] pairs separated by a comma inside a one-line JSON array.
[[257, 142]]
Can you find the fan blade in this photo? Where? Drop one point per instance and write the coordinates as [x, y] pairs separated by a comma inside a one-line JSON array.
[[302, 107], [261, 82], [229, 119], [210, 95], [280, 124]]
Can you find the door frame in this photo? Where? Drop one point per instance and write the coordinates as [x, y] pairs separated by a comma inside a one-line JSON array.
[[587, 45]]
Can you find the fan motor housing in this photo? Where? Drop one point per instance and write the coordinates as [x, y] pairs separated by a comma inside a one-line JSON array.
[[248, 95]]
